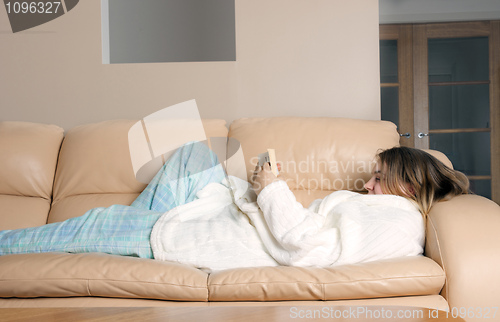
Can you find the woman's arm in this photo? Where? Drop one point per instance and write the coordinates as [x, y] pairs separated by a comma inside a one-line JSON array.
[[262, 177], [299, 232], [345, 227]]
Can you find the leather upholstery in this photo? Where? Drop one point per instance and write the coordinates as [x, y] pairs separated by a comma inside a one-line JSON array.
[[441, 157], [21, 212], [96, 274], [28, 158], [409, 276], [317, 154], [463, 237], [94, 169], [62, 275]]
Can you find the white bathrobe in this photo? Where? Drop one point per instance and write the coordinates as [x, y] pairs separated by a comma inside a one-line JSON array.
[[227, 228]]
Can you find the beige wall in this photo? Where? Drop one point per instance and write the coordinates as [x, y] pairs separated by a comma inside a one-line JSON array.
[[294, 57]]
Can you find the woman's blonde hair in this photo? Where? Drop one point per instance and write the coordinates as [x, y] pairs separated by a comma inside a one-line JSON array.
[[419, 176]]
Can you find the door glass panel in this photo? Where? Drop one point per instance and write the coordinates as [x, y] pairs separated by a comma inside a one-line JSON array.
[[481, 187], [388, 61], [390, 104], [458, 59], [468, 152], [459, 106]]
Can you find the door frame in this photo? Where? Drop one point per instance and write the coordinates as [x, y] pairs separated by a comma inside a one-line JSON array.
[[403, 33]]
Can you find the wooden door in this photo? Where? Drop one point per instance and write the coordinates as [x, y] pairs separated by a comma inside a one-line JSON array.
[[448, 83]]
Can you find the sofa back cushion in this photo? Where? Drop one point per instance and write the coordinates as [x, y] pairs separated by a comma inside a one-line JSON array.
[[95, 168], [318, 155], [28, 158]]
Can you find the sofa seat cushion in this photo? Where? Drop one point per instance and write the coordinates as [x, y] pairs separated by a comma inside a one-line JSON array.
[[408, 276], [97, 274]]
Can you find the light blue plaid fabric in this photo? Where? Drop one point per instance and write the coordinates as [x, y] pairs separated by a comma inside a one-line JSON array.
[[119, 230], [186, 172], [124, 230]]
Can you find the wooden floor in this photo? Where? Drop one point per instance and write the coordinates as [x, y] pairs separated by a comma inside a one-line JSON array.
[[220, 314]]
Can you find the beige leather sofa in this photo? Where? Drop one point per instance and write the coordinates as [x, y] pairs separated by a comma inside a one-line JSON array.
[[47, 175]]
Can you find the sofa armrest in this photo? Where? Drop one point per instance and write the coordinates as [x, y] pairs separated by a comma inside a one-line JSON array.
[[463, 236]]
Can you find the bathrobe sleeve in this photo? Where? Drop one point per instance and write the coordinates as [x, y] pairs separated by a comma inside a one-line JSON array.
[[343, 228]]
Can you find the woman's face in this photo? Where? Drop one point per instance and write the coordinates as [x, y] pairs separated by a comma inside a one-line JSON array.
[[374, 184]]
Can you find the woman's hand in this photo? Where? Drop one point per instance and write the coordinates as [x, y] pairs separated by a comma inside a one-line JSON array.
[[262, 177]]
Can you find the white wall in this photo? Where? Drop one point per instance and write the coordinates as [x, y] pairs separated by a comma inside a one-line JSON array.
[[417, 11], [294, 57]]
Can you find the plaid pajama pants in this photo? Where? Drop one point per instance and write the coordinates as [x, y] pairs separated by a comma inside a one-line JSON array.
[[124, 230]]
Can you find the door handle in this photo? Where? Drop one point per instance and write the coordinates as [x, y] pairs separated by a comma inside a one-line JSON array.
[[422, 135], [406, 135]]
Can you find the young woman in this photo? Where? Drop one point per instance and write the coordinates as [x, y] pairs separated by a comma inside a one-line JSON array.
[[186, 214], [402, 171], [417, 176], [346, 227]]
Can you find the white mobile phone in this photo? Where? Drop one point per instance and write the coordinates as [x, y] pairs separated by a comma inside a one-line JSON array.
[[269, 156]]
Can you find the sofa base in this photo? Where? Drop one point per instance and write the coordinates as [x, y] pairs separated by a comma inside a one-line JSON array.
[[429, 301]]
